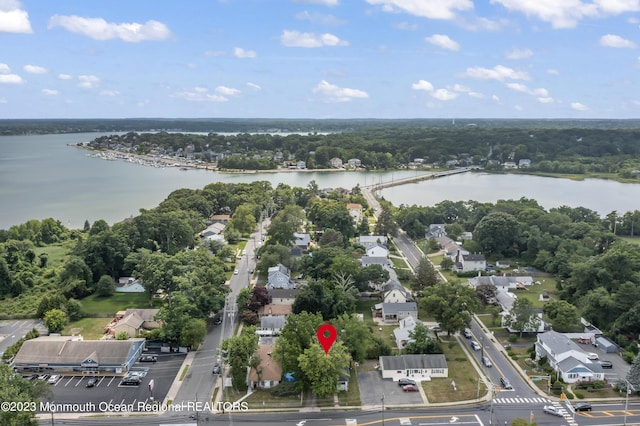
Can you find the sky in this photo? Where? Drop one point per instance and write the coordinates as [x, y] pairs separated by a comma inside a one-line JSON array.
[[320, 59]]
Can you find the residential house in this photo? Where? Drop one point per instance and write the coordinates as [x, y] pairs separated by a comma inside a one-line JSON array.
[[394, 312], [302, 240], [524, 163], [394, 292], [129, 285], [220, 218], [355, 211], [274, 310], [371, 260], [343, 381], [133, 322], [282, 296], [279, 276], [354, 162], [567, 358], [471, 262], [366, 240], [377, 250], [212, 230], [301, 165], [271, 325], [269, 373], [336, 162], [509, 165], [417, 367], [503, 264], [502, 283], [466, 236], [402, 333], [436, 230]]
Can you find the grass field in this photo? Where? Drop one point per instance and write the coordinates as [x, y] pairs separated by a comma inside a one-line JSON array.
[[632, 240], [385, 332], [461, 372], [117, 302], [89, 328], [55, 252]]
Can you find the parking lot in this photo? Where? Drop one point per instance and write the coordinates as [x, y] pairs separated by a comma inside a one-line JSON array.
[[109, 392], [393, 394]]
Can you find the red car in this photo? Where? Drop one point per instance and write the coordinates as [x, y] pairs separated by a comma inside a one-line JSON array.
[[409, 388]]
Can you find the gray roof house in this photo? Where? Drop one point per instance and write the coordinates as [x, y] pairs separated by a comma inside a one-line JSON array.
[[416, 367], [394, 312], [401, 334], [302, 240], [270, 325], [279, 276], [375, 260], [567, 358], [502, 283], [371, 239], [436, 230], [394, 292]]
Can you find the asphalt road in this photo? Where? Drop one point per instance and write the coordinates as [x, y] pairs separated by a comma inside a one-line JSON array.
[[13, 330]]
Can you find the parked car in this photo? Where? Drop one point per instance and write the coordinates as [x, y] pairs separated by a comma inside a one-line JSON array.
[[405, 381], [216, 369], [435, 328], [592, 356], [409, 388], [131, 380], [505, 383], [582, 406], [92, 382], [43, 377], [467, 334], [148, 358], [54, 379], [217, 321], [236, 272], [475, 345], [550, 409], [606, 364], [486, 361]]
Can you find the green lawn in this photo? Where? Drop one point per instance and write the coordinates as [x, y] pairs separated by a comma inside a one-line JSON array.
[[383, 331], [533, 292], [117, 302], [55, 253], [461, 372], [89, 328], [351, 398], [632, 240]]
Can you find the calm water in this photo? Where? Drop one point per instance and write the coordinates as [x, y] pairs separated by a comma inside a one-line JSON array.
[[40, 177]]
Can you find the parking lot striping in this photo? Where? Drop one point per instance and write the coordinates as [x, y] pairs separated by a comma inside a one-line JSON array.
[[69, 381], [111, 381]]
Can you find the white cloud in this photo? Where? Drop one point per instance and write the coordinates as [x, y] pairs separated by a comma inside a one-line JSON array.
[[214, 53], [239, 52], [88, 81], [229, 91], [578, 106], [253, 86], [320, 18], [461, 88], [444, 95], [476, 95], [520, 54], [443, 41], [422, 85], [199, 94], [4, 69], [612, 40], [110, 93], [333, 93], [545, 100], [50, 92], [432, 9], [64, 77], [540, 93], [325, 2], [495, 98], [10, 79], [34, 69], [499, 72], [13, 19], [309, 40], [552, 71], [99, 29], [561, 14], [518, 87], [406, 26], [616, 7]]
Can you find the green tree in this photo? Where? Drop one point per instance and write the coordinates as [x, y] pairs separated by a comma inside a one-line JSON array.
[[498, 233], [13, 388], [451, 304], [425, 276], [421, 342], [239, 350], [386, 224], [55, 320], [243, 219], [323, 370], [74, 310], [523, 316], [105, 286], [297, 335], [563, 315], [193, 333], [355, 335], [123, 335]]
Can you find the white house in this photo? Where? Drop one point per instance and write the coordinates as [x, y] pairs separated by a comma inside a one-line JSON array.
[[567, 358], [371, 260], [377, 251], [401, 334], [354, 162], [366, 240], [416, 367], [271, 325], [355, 211], [394, 312], [336, 162], [436, 230], [394, 292]]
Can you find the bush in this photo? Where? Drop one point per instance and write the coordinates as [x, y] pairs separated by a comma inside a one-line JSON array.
[[285, 389], [569, 395], [510, 352], [513, 338], [578, 394], [628, 356]]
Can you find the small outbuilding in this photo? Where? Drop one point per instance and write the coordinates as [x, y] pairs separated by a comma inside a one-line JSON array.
[[606, 345]]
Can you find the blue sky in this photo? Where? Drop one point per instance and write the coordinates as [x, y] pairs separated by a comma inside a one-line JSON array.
[[320, 58]]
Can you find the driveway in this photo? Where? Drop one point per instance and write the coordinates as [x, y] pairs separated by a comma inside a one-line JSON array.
[[373, 388]]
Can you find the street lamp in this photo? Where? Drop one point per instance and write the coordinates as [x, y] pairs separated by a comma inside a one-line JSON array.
[[626, 402], [382, 409]]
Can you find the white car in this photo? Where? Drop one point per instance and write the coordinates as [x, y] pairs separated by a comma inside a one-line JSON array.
[[53, 379], [592, 356], [550, 409], [236, 272]]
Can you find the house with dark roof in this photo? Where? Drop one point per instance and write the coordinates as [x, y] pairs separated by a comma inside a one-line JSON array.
[[471, 262], [279, 276], [73, 356], [436, 230], [416, 367], [302, 240], [394, 292], [375, 260], [567, 358]]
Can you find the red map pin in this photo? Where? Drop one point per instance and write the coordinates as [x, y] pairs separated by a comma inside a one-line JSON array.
[[327, 335]]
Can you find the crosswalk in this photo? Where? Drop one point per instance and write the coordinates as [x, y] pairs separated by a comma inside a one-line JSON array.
[[534, 400]]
